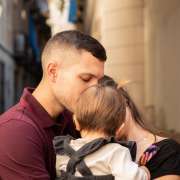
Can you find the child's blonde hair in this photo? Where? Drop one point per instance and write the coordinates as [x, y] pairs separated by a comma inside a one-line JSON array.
[[100, 108]]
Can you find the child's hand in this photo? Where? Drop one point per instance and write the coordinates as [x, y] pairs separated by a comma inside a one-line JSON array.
[[148, 154]]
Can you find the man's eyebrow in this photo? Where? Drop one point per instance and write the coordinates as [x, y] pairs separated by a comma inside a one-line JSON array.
[[87, 74], [90, 74]]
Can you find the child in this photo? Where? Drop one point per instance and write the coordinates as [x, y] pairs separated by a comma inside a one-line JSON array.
[[99, 113]]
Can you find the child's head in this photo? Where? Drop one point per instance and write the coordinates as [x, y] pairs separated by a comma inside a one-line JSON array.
[[100, 109]]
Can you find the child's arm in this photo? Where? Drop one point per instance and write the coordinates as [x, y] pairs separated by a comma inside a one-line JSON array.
[[122, 167], [147, 171]]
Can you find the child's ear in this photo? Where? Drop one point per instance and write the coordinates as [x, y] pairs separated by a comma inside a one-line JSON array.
[[76, 123], [119, 132]]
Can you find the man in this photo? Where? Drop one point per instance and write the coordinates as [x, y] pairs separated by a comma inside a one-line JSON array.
[[71, 62]]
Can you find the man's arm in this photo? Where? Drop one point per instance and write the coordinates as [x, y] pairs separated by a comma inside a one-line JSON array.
[[21, 152]]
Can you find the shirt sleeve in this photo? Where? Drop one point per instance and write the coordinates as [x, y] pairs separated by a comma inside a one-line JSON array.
[[122, 166], [166, 161], [21, 155]]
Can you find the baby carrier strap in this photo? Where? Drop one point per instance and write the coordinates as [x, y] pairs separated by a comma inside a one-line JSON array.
[[59, 144], [62, 147], [76, 157], [131, 145], [67, 176]]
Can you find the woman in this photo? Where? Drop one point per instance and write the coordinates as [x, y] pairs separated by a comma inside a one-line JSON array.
[[165, 164]]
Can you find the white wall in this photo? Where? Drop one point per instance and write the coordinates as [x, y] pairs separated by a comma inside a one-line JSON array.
[[119, 25], [142, 39], [162, 34]]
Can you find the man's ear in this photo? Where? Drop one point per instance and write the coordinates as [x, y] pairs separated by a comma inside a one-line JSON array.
[[78, 128], [119, 132], [52, 68]]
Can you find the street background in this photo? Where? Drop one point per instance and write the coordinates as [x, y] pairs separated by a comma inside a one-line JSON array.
[[142, 39]]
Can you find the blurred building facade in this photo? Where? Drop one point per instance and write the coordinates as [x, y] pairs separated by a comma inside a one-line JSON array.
[[25, 27], [142, 40], [22, 35], [65, 15]]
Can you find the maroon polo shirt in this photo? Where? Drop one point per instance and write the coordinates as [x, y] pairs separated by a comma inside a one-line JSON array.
[[26, 133]]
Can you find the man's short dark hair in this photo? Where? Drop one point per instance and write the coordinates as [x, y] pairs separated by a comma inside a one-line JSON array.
[[79, 41]]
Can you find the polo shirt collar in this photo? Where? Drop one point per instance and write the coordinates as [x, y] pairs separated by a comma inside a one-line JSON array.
[[29, 101]]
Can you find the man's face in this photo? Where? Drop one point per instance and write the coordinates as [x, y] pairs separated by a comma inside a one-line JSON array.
[[81, 72]]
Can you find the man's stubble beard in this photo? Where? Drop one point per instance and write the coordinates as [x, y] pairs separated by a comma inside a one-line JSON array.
[[67, 104]]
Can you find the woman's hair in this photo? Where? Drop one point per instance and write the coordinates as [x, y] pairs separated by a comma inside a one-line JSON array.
[[100, 108], [108, 81]]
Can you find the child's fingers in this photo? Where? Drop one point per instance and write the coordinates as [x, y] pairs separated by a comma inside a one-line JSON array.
[[150, 156], [146, 157], [150, 152], [142, 161]]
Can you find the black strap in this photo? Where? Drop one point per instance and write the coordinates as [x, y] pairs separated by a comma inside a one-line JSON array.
[[77, 157], [83, 169], [59, 145], [131, 145], [75, 162], [68, 176], [91, 147], [58, 142], [74, 159]]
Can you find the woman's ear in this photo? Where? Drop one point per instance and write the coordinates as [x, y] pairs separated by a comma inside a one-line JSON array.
[[119, 132], [76, 123]]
